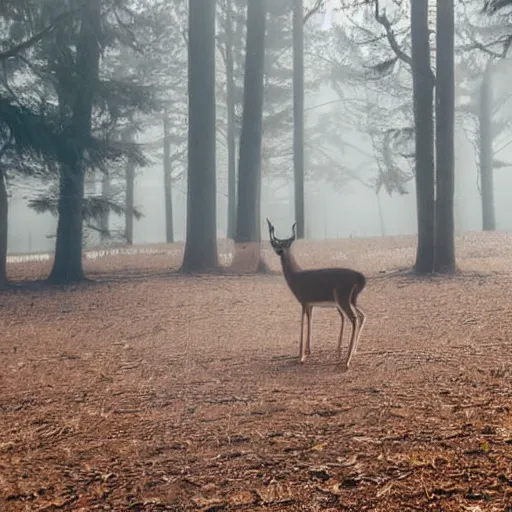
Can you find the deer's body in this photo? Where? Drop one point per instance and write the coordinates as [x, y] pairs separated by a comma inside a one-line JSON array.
[[327, 287], [316, 287]]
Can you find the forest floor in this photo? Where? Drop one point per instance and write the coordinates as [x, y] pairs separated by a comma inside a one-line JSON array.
[[147, 390]]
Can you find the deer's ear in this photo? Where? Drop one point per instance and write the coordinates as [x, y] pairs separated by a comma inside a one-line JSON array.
[[270, 229], [293, 230]]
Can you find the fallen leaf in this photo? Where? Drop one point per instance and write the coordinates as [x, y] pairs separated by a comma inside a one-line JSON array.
[[243, 498], [320, 473], [384, 490], [351, 461], [485, 447], [208, 504]]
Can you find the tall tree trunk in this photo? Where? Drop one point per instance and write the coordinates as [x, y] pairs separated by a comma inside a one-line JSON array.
[[445, 126], [298, 115], [130, 189], [169, 231], [249, 166], [248, 226], [105, 195], [67, 265], [486, 150], [381, 215], [201, 243], [89, 235], [4, 218], [231, 131], [423, 98]]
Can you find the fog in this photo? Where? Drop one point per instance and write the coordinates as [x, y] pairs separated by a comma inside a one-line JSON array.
[[333, 210], [331, 213]]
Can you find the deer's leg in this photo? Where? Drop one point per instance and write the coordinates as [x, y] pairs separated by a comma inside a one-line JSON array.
[[345, 304], [302, 355], [340, 339], [342, 310], [309, 314], [351, 348], [362, 319]]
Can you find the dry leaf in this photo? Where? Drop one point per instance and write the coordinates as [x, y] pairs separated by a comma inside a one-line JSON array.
[[384, 490], [157, 389], [351, 461], [243, 498], [208, 503], [319, 472]]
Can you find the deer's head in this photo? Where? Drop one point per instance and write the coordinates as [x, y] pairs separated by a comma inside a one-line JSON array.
[[280, 245]]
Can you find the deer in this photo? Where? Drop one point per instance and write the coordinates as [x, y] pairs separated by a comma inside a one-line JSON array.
[[324, 287]]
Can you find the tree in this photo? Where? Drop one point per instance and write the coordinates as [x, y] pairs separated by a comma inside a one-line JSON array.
[[486, 149], [201, 243], [67, 266], [47, 110], [392, 79], [128, 134], [371, 119], [486, 115], [423, 98], [298, 115], [23, 150], [106, 192], [91, 107], [27, 138], [277, 124], [167, 168], [445, 125], [164, 66], [249, 180], [231, 135], [435, 250], [3, 213]]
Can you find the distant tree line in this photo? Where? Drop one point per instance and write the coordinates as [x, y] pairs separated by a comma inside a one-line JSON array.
[[81, 79]]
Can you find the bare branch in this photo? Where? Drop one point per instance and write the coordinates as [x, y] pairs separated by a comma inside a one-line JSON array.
[[493, 6], [504, 146], [486, 48], [318, 5], [382, 19]]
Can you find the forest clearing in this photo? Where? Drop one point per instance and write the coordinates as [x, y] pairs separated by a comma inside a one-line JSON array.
[[166, 376], [148, 390]]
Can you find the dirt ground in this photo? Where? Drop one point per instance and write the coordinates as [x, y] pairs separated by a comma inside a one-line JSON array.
[[147, 390]]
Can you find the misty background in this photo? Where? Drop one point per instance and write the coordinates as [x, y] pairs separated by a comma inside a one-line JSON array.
[[336, 207]]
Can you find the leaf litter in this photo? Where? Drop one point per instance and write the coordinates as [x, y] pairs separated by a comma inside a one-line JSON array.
[[148, 390]]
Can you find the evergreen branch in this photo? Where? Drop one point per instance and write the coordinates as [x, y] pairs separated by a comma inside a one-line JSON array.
[[32, 41], [7, 143]]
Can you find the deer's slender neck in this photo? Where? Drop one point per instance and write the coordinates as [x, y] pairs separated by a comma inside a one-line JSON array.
[[290, 266]]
